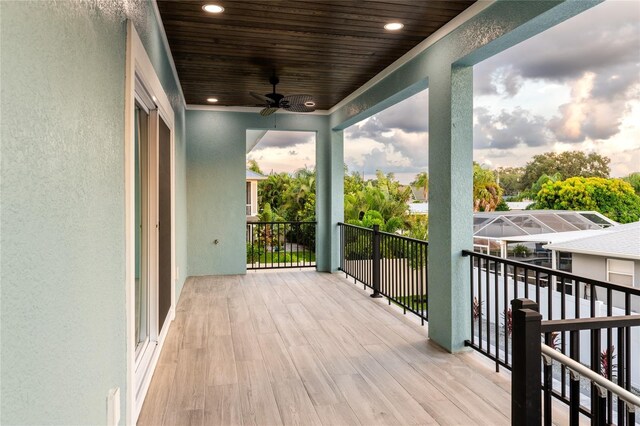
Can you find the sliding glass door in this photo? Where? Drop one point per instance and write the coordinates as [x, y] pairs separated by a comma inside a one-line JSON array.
[[152, 230], [141, 230]]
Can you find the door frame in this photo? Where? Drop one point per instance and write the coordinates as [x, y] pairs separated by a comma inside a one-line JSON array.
[[139, 70]]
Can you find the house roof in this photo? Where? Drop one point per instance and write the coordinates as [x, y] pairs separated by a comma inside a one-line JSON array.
[[251, 175], [501, 225], [418, 193], [622, 241], [554, 237], [518, 205]]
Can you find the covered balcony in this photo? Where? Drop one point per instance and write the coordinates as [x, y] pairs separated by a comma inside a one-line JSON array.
[[125, 292], [296, 347]]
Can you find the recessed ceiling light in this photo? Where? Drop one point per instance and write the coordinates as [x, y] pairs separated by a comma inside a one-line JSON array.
[[309, 104], [393, 26], [213, 8], [212, 100]]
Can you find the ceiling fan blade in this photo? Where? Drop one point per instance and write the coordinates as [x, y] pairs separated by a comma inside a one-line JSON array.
[[268, 111], [298, 103], [297, 99], [300, 108], [260, 97]]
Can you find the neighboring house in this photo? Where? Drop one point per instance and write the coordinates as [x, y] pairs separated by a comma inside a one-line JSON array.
[[419, 208], [498, 232], [418, 194], [613, 255], [519, 205], [252, 194], [418, 204]]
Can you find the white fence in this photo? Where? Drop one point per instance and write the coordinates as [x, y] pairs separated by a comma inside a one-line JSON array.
[[556, 313]]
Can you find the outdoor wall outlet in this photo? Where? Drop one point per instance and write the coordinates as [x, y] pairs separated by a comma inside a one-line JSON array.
[[113, 407]]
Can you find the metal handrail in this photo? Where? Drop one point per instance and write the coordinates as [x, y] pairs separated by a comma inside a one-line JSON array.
[[391, 234], [595, 323], [294, 222], [630, 399], [557, 273]]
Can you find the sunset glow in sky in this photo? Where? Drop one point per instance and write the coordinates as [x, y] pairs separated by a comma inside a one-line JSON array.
[[573, 87]]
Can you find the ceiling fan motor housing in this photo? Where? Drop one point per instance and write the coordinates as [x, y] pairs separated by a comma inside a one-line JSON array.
[[275, 97], [275, 101]]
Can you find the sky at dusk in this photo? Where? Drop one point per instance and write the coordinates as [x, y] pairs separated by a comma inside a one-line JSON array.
[[573, 87]]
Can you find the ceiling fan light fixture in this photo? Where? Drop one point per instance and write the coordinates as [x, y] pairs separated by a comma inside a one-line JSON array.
[[309, 104], [393, 26], [213, 8], [212, 100]]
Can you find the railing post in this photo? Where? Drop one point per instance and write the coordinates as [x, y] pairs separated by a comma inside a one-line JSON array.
[[376, 261], [526, 402]]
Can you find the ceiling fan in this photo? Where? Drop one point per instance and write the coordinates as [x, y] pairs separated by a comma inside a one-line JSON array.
[[275, 101]]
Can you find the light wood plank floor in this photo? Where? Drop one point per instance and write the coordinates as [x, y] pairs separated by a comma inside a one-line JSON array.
[[301, 347]]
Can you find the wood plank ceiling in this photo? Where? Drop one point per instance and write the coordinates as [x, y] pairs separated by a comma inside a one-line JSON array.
[[323, 48]]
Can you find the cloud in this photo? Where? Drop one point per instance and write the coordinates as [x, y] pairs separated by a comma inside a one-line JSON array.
[[284, 139], [592, 117], [370, 128], [508, 130], [410, 115], [600, 40], [503, 80]]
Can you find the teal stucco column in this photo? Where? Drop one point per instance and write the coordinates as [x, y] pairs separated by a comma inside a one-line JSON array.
[[329, 197], [450, 207]]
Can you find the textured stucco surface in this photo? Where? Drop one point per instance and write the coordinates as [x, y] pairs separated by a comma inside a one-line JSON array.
[[446, 67], [216, 177], [62, 217], [62, 204]]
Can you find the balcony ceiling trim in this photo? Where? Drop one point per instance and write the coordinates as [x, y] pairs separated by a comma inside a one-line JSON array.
[[229, 48]]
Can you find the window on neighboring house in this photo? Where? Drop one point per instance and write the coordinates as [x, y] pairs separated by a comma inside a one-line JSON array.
[[620, 271], [248, 198], [564, 261]]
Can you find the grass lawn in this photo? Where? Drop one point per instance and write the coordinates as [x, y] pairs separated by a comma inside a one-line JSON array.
[[416, 302]]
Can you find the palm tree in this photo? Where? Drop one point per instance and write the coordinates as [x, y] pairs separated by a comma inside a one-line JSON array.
[[487, 194], [422, 181]]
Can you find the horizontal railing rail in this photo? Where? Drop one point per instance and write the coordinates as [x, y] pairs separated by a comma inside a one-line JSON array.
[[611, 399], [562, 298], [555, 272], [393, 266], [631, 401], [551, 326], [272, 245]]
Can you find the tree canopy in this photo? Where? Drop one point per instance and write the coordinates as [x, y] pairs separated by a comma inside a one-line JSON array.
[[381, 201], [634, 180], [568, 164], [614, 198], [510, 180]]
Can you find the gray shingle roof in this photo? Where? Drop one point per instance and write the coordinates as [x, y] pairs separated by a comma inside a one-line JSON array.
[[251, 175], [621, 241]]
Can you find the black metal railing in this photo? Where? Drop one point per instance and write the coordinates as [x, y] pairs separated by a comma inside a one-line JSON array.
[[599, 390], [496, 281], [281, 245], [391, 265]]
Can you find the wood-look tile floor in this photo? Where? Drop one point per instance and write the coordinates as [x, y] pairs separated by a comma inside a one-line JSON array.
[[301, 347]]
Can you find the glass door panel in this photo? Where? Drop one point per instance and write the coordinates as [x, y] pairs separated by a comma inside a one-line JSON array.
[[141, 229]]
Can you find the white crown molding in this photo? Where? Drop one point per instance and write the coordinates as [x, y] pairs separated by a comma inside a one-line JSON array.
[[165, 42], [466, 15], [463, 17]]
